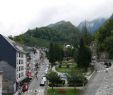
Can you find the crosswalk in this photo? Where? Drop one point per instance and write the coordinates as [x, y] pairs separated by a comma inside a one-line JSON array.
[[34, 92]]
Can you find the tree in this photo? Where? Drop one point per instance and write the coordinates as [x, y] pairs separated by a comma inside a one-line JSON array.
[[84, 56], [53, 78], [86, 35], [55, 53], [75, 52], [59, 53], [109, 46], [104, 37], [76, 78], [51, 54]]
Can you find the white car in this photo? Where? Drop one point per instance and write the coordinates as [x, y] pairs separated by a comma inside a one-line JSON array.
[[43, 81]]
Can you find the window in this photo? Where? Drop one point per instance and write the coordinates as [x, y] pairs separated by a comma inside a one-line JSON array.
[[19, 68], [19, 54], [19, 62], [19, 75], [22, 68], [22, 55]]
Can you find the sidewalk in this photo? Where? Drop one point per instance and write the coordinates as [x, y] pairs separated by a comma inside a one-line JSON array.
[[106, 88]]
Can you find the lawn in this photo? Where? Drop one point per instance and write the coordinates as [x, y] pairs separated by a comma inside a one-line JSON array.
[[63, 92], [64, 68], [72, 65]]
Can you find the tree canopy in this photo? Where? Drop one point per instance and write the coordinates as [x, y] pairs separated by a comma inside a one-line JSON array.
[[83, 56], [104, 37]]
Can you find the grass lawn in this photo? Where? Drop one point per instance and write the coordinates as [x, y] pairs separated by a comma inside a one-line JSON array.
[[64, 68], [63, 92]]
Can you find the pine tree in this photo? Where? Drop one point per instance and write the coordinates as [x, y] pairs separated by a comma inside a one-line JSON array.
[[84, 56], [51, 54]]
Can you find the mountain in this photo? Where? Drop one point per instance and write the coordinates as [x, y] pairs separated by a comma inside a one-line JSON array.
[[60, 32], [92, 26], [66, 28]]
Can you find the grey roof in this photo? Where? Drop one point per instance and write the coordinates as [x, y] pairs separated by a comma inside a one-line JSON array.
[[15, 45], [29, 49]]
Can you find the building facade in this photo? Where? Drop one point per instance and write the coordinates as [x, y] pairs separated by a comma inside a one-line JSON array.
[[14, 67]]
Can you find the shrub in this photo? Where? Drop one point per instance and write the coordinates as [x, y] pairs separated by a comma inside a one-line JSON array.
[[60, 66], [67, 65]]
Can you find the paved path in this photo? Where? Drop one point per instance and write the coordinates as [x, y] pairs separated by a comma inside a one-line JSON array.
[[95, 82], [62, 75], [106, 88]]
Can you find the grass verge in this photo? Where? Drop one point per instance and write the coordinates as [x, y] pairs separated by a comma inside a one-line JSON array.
[[61, 91]]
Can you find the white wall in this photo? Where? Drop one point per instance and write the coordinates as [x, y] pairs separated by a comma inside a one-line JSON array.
[[21, 63]]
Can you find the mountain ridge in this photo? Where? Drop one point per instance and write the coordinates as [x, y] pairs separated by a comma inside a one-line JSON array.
[[60, 32], [93, 25]]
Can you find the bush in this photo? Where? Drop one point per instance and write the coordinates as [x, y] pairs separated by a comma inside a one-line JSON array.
[[60, 65], [67, 65], [76, 80]]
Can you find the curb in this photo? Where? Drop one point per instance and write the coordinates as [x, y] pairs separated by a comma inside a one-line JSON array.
[[91, 75]]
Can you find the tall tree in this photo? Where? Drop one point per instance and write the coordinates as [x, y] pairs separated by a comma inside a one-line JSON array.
[[84, 56], [55, 53], [51, 54], [86, 35], [59, 53]]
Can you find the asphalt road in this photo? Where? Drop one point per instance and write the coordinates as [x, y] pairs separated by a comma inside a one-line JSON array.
[[34, 87], [98, 78]]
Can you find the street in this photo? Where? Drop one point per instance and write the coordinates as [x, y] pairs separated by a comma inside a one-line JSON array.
[[93, 84], [34, 87]]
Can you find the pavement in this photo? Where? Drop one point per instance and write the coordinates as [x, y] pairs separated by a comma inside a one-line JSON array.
[[97, 79], [34, 87], [106, 88]]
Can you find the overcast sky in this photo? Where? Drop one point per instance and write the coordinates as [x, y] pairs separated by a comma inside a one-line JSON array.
[[17, 16]]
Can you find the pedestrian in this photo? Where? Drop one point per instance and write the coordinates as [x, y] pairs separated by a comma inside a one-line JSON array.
[[37, 76], [106, 70], [19, 92]]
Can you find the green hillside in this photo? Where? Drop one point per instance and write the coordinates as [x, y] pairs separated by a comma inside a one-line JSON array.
[[61, 32], [104, 37]]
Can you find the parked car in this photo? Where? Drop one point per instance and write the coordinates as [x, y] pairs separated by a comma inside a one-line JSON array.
[[25, 87], [46, 71], [43, 81]]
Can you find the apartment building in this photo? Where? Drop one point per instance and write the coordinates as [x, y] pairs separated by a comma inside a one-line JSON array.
[[14, 67]]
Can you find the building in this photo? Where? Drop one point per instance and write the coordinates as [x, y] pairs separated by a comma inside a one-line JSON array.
[[1, 79], [13, 63]]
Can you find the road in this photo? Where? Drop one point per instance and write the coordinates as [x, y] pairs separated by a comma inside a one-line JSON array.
[[98, 78], [34, 87]]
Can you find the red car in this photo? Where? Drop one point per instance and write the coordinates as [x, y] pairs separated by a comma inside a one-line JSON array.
[[24, 87]]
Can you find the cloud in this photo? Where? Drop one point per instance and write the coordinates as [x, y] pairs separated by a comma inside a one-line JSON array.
[[17, 16]]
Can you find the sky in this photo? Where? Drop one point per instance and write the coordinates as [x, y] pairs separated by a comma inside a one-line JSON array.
[[17, 16]]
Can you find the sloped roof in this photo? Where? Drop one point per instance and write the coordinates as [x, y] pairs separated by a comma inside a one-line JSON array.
[[15, 45]]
